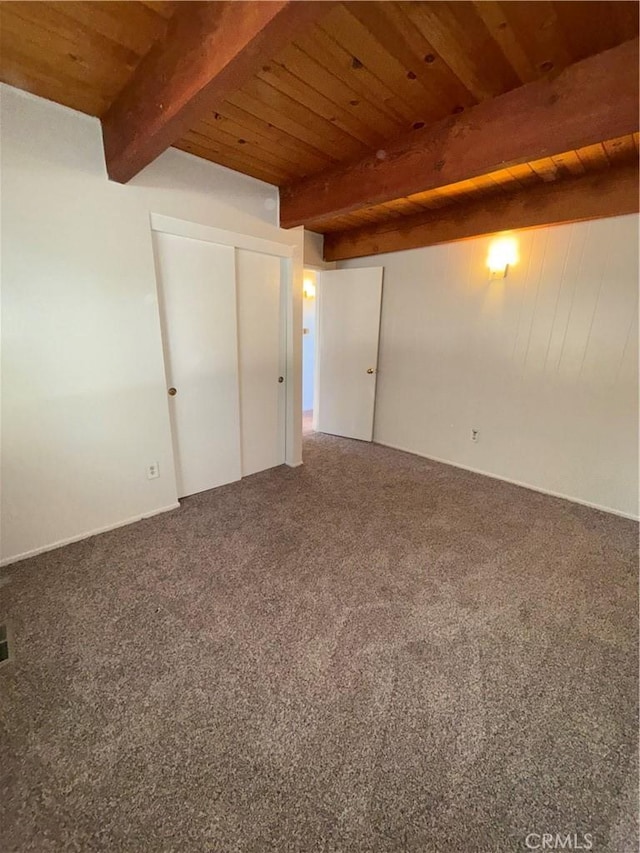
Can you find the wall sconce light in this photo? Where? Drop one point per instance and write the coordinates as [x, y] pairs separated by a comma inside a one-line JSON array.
[[503, 253], [308, 289]]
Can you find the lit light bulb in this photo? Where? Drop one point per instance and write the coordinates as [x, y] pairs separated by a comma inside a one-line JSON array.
[[503, 253]]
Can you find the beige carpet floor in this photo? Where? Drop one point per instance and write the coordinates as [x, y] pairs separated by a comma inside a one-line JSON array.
[[372, 652]]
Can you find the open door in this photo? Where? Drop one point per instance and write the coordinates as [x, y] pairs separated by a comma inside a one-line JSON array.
[[348, 306]]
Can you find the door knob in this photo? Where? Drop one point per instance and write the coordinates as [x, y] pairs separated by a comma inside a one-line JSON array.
[[172, 392], [280, 378], [370, 370]]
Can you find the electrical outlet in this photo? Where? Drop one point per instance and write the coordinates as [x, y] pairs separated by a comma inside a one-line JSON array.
[[153, 471], [475, 434]]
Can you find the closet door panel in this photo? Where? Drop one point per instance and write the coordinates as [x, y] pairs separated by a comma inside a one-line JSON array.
[[261, 340], [197, 291]]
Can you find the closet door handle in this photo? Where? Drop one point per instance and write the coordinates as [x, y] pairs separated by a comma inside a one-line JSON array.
[[280, 378], [172, 392]]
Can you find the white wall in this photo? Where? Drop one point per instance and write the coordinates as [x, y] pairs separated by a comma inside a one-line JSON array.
[[84, 405], [313, 251], [544, 363]]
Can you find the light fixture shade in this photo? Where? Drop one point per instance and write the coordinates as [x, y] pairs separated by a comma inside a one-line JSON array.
[[503, 253]]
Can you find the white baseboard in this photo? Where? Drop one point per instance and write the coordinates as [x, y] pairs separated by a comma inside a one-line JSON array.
[[513, 482], [62, 542]]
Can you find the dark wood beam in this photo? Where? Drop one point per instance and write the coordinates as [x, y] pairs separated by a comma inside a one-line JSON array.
[[209, 51], [589, 101], [600, 194]]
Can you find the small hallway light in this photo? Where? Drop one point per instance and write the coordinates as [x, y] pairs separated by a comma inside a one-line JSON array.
[[308, 289], [503, 253]]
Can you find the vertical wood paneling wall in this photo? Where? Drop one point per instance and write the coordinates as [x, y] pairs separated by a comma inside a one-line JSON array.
[[543, 363]]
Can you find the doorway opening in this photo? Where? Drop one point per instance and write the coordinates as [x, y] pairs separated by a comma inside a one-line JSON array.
[[309, 292]]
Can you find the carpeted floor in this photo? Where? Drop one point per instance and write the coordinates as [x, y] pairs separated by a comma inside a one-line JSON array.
[[372, 652]]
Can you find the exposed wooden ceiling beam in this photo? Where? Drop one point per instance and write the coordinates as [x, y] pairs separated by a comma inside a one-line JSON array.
[[209, 51], [589, 101], [599, 194]]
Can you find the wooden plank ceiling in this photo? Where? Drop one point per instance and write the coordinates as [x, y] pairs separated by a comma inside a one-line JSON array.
[[359, 76]]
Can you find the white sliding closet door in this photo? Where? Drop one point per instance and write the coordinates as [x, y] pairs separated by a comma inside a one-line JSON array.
[[197, 290], [261, 341]]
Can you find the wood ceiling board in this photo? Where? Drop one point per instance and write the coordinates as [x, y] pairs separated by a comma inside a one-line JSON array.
[[569, 163], [626, 15], [524, 174], [333, 140], [389, 25], [545, 169], [589, 101], [376, 123], [292, 145], [229, 131], [465, 44], [506, 38], [45, 43], [49, 25], [591, 27], [540, 34], [52, 86], [210, 51], [505, 181], [427, 201], [252, 155], [593, 157], [406, 205], [611, 193], [131, 25], [620, 150], [345, 29], [350, 70], [243, 149], [225, 158], [165, 8], [280, 121], [288, 73]]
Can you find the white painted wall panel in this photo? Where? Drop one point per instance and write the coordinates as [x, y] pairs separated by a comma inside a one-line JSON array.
[[84, 405], [544, 363], [313, 251]]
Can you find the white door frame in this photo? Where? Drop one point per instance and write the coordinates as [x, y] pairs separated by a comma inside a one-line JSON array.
[[316, 354], [290, 258]]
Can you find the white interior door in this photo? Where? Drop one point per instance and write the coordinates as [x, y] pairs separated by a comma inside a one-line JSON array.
[[197, 289], [261, 345], [348, 329]]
